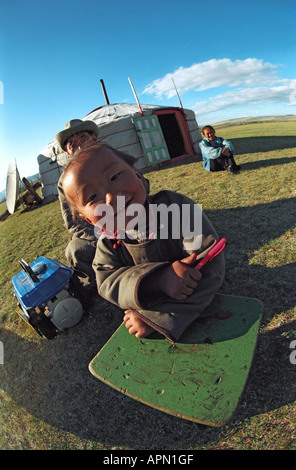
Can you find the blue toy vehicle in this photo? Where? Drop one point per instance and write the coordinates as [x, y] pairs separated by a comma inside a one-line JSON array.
[[45, 295]]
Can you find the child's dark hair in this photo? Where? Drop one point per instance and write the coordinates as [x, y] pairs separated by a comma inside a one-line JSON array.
[[207, 127], [87, 151], [79, 154]]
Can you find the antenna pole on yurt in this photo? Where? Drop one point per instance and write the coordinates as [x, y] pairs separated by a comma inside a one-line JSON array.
[[177, 93], [104, 91], [186, 123], [135, 95]]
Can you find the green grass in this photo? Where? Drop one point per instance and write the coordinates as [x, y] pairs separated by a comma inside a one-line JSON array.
[[48, 398]]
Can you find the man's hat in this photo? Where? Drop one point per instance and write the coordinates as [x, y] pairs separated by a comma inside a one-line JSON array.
[[74, 126]]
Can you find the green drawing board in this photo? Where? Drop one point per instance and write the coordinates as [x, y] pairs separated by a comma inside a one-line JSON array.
[[199, 378]]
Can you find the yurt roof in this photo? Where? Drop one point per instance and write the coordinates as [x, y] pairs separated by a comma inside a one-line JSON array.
[[114, 112]]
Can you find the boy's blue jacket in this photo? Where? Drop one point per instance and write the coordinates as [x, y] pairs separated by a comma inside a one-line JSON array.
[[209, 152]]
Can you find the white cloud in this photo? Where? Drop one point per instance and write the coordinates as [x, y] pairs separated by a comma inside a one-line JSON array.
[[215, 73], [248, 96], [254, 86]]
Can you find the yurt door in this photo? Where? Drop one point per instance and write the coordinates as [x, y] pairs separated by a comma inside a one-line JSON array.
[[151, 139]]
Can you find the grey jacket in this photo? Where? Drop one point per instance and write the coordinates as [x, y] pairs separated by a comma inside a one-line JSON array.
[[121, 269]]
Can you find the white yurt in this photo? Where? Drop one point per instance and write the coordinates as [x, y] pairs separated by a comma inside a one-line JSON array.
[[155, 135]]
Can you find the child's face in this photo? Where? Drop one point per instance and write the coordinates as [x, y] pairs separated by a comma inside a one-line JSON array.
[[209, 133], [100, 180]]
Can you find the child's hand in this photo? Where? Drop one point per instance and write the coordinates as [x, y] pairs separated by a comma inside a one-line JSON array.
[[180, 279], [226, 152]]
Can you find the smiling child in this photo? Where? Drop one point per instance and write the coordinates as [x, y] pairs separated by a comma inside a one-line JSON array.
[[150, 272]]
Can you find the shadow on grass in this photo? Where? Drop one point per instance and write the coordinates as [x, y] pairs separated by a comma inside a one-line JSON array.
[[266, 163], [262, 144], [51, 380], [247, 229]]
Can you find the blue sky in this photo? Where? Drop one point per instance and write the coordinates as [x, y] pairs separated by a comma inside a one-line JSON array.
[[228, 59]]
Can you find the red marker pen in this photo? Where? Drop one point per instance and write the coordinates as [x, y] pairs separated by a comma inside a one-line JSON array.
[[220, 245]]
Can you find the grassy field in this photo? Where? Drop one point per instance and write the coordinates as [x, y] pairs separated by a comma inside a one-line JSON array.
[[48, 398]]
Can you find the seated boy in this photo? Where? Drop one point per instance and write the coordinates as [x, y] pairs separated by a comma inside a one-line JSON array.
[[143, 265], [217, 153]]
